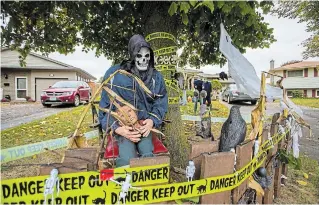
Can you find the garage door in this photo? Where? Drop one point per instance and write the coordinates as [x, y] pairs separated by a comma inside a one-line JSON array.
[[42, 84]]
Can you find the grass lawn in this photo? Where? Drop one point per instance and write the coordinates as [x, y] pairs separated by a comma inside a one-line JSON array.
[[222, 111], [54, 126], [295, 193], [308, 102]]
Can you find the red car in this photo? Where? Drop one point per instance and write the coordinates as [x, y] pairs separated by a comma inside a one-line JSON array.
[[66, 92]]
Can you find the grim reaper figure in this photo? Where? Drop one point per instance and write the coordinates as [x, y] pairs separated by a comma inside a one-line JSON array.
[[151, 109]]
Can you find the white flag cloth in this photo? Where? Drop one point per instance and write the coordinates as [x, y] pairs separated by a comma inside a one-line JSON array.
[[242, 71]]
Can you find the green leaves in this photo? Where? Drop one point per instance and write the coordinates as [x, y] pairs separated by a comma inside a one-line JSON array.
[[210, 5], [288, 158], [172, 9], [184, 7], [184, 18]]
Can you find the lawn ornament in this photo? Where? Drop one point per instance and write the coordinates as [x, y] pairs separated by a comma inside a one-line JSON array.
[[260, 176], [142, 59], [125, 186], [126, 114], [190, 170], [256, 147], [223, 76], [281, 130], [203, 127], [50, 184], [233, 130]]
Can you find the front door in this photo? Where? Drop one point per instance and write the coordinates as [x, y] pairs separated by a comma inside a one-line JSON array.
[[21, 87]]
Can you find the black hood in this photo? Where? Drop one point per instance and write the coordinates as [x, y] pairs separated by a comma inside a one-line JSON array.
[[135, 44]]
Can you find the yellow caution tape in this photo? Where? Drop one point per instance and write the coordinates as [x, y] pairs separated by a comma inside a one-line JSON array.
[[164, 51], [173, 100], [169, 67], [86, 188], [159, 35]]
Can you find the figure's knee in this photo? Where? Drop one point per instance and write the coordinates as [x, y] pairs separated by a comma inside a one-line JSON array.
[[127, 151], [145, 147]]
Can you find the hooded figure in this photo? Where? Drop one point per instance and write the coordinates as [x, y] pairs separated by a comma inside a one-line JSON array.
[[233, 130], [141, 64]]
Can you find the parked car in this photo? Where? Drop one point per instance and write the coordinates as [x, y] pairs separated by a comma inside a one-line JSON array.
[[232, 94], [66, 92]]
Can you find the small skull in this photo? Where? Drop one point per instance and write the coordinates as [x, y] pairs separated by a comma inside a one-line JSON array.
[[142, 58]]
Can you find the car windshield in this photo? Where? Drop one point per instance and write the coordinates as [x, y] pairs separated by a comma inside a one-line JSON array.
[[65, 84]]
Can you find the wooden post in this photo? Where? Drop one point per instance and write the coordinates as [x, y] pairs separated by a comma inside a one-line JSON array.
[[263, 102], [217, 164], [269, 193], [278, 170], [244, 155]]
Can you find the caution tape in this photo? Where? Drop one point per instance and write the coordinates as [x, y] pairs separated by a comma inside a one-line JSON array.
[[173, 100], [80, 187], [166, 67], [159, 35], [167, 63], [28, 150], [88, 188], [164, 51]]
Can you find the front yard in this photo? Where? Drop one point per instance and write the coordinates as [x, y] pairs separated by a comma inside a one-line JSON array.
[[308, 102]]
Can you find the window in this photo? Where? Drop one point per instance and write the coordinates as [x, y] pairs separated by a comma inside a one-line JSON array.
[[317, 94], [21, 87], [289, 93], [295, 73]]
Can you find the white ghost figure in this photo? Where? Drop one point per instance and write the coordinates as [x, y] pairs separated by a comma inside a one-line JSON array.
[[190, 170], [142, 59]]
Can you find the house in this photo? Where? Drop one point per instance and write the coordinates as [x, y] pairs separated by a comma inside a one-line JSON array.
[[40, 73], [186, 77], [301, 76], [225, 83]]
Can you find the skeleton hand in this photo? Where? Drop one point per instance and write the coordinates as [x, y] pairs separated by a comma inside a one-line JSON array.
[[129, 133], [147, 126]]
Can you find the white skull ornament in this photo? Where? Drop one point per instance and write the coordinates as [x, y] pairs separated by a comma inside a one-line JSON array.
[[142, 59]]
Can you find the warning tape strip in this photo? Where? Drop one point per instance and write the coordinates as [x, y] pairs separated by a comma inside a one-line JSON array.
[[28, 150], [159, 35]]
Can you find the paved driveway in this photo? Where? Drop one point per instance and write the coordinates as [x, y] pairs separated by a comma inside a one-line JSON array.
[[309, 145], [15, 114]]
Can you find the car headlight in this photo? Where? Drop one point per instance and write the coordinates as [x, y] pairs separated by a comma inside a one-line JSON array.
[[43, 93], [68, 93]]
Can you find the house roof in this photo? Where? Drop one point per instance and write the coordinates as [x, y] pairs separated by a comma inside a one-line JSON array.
[[300, 65], [57, 65], [187, 70]]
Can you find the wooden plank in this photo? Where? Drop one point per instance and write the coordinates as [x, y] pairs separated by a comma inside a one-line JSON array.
[[244, 155], [81, 155], [269, 193], [197, 149], [278, 171], [217, 164], [64, 168], [149, 161]]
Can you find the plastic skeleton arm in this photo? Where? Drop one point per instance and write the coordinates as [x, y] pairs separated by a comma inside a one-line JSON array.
[[132, 187]]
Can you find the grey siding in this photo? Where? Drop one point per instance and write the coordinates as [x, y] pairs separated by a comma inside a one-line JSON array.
[[10, 90]]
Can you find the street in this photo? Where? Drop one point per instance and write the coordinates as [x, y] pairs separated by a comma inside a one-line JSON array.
[[16, 114]]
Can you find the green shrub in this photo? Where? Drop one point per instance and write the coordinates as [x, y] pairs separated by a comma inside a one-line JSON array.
[[297, 93], [216, 85]]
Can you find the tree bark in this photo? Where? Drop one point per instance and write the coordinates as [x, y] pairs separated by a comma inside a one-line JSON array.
[[160, 21]]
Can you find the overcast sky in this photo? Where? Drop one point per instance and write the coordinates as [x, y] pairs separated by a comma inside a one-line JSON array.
[[288, 32]]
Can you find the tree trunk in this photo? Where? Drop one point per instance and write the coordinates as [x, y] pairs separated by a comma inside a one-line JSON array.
[[160, 21]]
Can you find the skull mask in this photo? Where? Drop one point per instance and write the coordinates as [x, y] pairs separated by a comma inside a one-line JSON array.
[[142, 58]]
